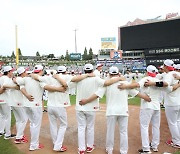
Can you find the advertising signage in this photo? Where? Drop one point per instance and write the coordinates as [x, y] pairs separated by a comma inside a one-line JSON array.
[[75, 56], [162, 51], [108, 43]]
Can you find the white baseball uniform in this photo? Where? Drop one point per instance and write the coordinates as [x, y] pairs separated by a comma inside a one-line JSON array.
[[86, 113], [117, 111], [172, 108], [5, 111], [150, 113], [57, 101], [15, 100], [33, 108]]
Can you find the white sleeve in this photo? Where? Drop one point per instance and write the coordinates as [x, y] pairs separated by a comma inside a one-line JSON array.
[[141, 82], [168, 78], [20, 81], [133, 92], [101, 91], [100, 81]]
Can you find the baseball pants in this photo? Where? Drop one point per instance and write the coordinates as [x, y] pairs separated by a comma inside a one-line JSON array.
[[147, 116], [21, 120], [123, 129], [173, 119], [34, 115], [54, 114], [86, 120], [5, 113]]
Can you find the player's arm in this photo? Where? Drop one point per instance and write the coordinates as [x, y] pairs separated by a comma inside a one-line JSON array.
[[11, 87], [2, 90], [61, 81], [175, 86], [114, 80], [54, 88], [176, 76], [144, 96], [28, 96], [129, 86], [88, 100], [157, 84], [79, 78], [34, 76]]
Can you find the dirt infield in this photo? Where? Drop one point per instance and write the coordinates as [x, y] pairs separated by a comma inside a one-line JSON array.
[[100, 134]]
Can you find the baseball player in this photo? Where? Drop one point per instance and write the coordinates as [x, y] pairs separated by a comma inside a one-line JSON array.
[[5, 109], [117, 110], [171, 102], [98, 70], [86, 114], [58, 100], [33, 93], [129, 76], [15, 100]]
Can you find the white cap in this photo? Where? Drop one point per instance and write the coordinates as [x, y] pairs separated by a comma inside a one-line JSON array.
[[88, 67], [38, 68], [168, 62], [178, 66], [21, 70], [61, 69], [7, 69], [151, 69], [136, 71], [113, 70], [99, 65]]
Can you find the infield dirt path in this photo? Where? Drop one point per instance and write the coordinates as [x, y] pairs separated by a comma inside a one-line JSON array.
[[70, 139]]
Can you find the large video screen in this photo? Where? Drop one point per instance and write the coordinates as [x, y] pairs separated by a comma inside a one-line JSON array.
[[153, 35]]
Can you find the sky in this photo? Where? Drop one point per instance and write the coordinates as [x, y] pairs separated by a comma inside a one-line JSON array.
[[47, 26]]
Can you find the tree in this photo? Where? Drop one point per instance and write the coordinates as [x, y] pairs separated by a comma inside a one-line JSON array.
[[62, 57], [90, 56], [19, 51], [85, 56], [67, 57], [13, 55], [37, 54], [51, 56]]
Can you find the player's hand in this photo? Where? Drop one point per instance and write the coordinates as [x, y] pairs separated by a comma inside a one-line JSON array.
[[149, 83], [30, 98], [83, 102], [122, 86], [55, 76], [176, 76], [147, 98]]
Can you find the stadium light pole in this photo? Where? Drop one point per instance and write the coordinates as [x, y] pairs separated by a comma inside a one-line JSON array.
[[75, 41]]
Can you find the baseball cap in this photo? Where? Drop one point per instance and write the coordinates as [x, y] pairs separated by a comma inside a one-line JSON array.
[[151, 70], [88, 67], [7, 69], [99, 65], [38, 68], [169, 63], [136, 71], [178, 67], [21, 70], [113, 70], [61, 69]]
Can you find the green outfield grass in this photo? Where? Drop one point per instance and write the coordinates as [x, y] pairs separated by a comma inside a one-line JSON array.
[[6, 146]]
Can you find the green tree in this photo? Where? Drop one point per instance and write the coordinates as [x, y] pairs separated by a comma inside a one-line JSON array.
[[85, 55], [51, 56], [90, 56], [67, 57], [37, 54], [19, 50], [13, 55], [62, 57]]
